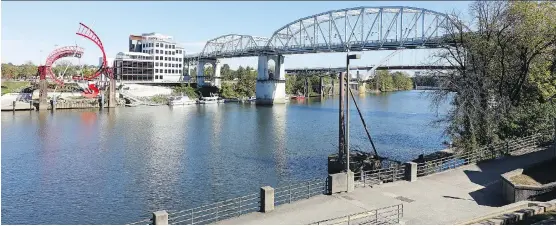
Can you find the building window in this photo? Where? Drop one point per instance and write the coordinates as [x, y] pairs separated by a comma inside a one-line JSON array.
[[156, 70], [166, 58], [179, 71], [165, 70], [179, 66], [161, 77], [165, 46], [156, 51], [156, 77], [156, 44]]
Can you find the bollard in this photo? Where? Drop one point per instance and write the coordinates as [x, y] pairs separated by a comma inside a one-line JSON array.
[[160, 217], [30, 105], [410, 171], [341, 182], [267, 199], [13, 106]]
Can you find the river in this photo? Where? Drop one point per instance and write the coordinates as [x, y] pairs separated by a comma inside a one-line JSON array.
[[118, 166]]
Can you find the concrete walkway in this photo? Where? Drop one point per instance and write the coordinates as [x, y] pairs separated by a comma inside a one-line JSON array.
[[445, 198]]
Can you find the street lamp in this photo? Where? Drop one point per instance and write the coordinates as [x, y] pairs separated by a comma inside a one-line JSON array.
[[348, 58]]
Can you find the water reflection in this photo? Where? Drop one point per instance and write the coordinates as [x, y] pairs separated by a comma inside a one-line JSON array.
[[119, 165]]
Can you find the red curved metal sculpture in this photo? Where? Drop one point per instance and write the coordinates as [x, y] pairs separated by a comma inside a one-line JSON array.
[[88, 33], [66, 51]]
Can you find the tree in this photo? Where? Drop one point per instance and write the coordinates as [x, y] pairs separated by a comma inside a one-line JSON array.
[[9, 71], [504, 76], [226, 72], [401, 81]]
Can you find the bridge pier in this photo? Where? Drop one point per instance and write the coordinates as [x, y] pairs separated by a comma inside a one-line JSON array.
[[271, 88], [201, 72]]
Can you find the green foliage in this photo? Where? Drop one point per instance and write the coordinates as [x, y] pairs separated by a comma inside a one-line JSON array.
[[386, 82], [186, 90], [505, 79], [159, 99]]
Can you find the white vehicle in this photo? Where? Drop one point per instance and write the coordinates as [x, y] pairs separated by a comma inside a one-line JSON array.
[[180, 100]]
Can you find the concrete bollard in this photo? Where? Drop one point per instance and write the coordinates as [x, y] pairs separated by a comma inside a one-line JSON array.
[[341, 182], [160, 217], [267, 199], [410, 171]]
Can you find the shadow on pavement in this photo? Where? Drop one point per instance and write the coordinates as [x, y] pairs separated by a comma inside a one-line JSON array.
[[489, 173]]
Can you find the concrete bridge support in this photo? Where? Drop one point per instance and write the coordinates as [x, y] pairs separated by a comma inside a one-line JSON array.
[[271, 88], [215, 63]]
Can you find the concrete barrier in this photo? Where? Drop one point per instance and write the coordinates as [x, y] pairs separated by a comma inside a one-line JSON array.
[[267, 199], [160, 217], [341, 182], [410, 171]]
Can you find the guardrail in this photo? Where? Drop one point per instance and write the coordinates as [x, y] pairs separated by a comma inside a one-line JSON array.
[[375, 177], [385, 215], [297, 191], [485, 153], [216, 211]]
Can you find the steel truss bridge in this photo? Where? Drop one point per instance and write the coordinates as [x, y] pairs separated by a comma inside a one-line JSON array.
[[365, 68], [353, 29]]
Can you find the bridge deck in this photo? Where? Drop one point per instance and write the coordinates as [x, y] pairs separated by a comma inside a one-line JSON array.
[[444, 198]]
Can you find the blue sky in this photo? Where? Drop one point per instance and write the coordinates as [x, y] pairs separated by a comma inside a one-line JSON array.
[[30, 30]]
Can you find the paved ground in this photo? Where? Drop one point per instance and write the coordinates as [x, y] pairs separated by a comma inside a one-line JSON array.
[[445, 198]]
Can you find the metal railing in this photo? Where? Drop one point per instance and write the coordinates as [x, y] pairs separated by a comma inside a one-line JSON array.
[[485, 153], [379, 176], [216, 211], [385, 215], [300, 190]]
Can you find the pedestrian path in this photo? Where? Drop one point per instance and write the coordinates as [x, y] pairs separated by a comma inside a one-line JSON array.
[[444, 198]]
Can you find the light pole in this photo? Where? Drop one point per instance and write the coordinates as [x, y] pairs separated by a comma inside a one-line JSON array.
[[348, 58]]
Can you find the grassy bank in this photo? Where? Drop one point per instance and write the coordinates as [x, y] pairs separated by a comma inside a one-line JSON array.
[[10, 87]]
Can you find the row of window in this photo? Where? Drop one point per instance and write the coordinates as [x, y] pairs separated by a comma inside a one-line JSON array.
[[177, 59], [171, 71], [162, 52], [162, 45], [167, 65], [158, 77]]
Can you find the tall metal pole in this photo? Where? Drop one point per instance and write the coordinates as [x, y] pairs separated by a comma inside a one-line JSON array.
[[347, 111], [341, 144]]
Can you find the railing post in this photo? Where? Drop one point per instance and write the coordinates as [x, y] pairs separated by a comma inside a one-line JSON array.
[[290, 192], [160, 217], [308, 189], [267, 199], [410, 171]]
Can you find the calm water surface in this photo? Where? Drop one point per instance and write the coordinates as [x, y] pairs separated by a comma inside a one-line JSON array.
[[118, 166]]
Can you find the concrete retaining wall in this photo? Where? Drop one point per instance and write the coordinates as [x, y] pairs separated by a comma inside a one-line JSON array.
[[514, 193]]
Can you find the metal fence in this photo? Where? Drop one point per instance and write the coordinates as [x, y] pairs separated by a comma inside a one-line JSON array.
[[300, 190], [393, 173], [216, 211], [385, 215], [485, 153]]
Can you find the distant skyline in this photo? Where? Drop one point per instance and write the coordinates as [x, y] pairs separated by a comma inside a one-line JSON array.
[[30, 30]]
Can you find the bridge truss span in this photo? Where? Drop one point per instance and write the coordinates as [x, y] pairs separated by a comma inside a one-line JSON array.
[[360, 29], [233, 45]]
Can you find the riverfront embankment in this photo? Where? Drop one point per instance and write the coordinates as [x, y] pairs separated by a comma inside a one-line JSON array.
[[119, 165], [450, 197]]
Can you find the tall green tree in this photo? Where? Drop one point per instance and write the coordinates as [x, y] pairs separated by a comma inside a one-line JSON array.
[[505, 72]]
